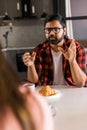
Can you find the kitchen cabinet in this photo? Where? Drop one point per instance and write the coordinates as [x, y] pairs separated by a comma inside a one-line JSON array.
[[2, 7], [25, 8], [12, 7], [35, 8], [14, 57]]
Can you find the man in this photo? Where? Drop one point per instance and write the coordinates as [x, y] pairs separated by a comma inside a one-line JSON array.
[[58, 60]]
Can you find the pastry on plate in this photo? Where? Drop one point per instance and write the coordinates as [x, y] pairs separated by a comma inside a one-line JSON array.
[[47, 91]]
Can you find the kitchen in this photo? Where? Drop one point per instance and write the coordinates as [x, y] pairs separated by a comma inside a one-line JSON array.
[[23, 35]]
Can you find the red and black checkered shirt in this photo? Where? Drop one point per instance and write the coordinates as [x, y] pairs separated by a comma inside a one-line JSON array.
[[44, 63]]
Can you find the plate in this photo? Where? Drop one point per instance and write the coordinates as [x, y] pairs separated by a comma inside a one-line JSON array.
[[53, 98]]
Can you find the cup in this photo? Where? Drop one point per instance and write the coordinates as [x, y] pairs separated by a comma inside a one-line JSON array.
[[30, 86]]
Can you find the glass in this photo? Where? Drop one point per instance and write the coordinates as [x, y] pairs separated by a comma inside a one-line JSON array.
[[30, 86], [55, 30]]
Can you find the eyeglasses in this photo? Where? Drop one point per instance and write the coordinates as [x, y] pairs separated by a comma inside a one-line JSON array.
[[55, 30]]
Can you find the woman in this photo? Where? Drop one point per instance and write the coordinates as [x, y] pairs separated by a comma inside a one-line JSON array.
[[20, 109]]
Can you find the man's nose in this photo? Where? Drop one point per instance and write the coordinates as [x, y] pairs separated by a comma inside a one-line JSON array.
[[52, 32]]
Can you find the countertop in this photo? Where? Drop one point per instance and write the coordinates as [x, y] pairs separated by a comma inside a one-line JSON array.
[[17, 48]]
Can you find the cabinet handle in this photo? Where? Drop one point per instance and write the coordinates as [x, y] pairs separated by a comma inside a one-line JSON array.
[[25, 7], [33, 9], [18, 6]]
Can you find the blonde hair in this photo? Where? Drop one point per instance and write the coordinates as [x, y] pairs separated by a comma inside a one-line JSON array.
[[10, 95]]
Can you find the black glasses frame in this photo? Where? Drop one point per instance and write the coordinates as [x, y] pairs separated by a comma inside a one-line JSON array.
[[55, 30]]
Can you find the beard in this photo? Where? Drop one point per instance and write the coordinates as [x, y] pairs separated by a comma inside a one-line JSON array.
[[54, 40]]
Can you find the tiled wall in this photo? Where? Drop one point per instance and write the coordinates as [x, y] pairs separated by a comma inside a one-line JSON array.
[[25, 33]]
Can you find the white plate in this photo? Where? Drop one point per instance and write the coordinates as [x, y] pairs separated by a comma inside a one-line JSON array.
[[53, 98]]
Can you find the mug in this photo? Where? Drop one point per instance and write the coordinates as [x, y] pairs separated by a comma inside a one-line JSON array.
[[30, 86]]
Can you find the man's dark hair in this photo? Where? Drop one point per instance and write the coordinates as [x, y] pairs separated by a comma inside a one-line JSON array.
[[58, 17]]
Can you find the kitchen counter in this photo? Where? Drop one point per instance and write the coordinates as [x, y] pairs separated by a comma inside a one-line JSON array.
[[20, 48], [17, 48]]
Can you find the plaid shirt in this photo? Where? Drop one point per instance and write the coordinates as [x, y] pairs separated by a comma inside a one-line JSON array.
[[44, 63]]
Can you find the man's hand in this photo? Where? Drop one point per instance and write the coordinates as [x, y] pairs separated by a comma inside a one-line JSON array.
[[70, 54], [29, 59]]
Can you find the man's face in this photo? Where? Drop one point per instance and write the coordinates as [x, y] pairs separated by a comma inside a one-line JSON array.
[[54, 32]]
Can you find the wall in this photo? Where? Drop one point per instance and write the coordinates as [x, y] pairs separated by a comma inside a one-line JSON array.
[[25, 33]]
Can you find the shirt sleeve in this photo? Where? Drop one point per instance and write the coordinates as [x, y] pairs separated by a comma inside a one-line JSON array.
[[81, 57]]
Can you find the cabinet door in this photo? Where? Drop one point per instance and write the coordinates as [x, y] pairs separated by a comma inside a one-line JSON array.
[[38, 7], [12, 7], [26, 8], [2, 7]]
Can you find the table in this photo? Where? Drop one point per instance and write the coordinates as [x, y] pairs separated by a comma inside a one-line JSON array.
[[71, 109]]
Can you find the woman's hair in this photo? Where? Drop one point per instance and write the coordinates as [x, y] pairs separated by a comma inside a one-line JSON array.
[[58, 17], [9, 93]]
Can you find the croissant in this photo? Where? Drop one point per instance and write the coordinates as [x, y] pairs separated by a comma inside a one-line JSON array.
[[47, 91]]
